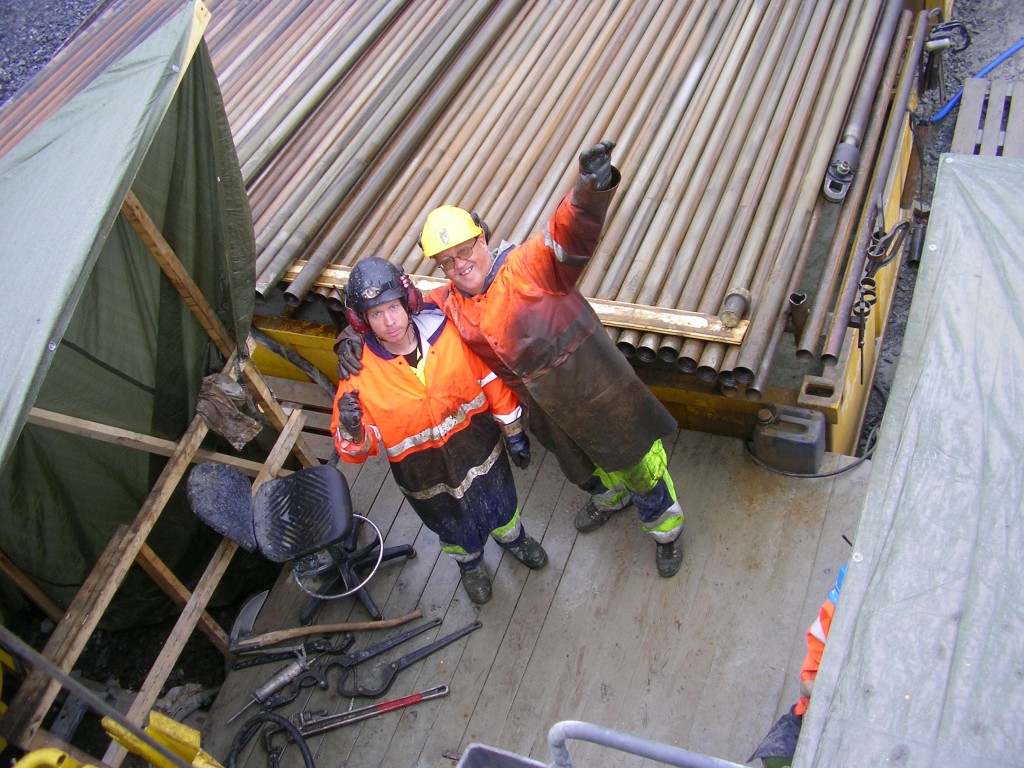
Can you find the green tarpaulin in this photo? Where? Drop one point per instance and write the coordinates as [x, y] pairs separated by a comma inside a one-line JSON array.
[[93, 329]]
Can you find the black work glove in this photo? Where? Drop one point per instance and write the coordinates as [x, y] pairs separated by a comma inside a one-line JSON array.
[[348, 346], [518, 447], [596, 166], [350, 415]]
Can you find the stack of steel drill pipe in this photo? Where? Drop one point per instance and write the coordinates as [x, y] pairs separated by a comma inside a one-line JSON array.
[[337, 238], [540, 146], [293, 92], [704, 153], [461, 145], [309, 153], [244, 72], [644, 277], [679, 156], [786, 111], [328, 135], [285, 236], [230, 22], [74, 67], [303, 97], [263, 74], [607, 114], [808, 173], [735, 159], [423, 118], [471, 161], [883, 165], [664, 239], [648, 178], [484, 170], [755, 390], [853, 201], [634, 113]]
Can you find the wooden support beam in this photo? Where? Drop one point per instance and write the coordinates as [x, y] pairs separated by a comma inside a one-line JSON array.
[[37, 692], [32, 592], [135, 440], [151, 563], [195, 607], [171, 265]]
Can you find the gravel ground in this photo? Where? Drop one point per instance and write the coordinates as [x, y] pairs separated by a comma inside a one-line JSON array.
[[31, 31]]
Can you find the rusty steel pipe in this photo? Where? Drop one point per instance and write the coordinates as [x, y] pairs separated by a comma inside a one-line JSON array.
[[805, 193], [894, 129], [427, 113], [355, 151], [693, 169], [321, 136], [342, 228], [752, 160], [853, 201]]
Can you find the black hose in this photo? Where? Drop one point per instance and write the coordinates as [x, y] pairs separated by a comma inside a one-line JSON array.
[[252, 726], [870, 449]]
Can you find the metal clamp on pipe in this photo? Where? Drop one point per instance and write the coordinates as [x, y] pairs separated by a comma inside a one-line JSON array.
[[841, 170]]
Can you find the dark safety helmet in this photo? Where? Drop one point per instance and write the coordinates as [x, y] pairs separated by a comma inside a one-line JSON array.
[[375, 281]]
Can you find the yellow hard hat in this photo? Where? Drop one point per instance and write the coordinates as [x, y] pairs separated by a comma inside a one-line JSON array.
[[447, 226]]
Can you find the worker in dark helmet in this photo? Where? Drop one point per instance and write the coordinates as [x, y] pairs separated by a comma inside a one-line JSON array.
[[518, 308], [447, 424]]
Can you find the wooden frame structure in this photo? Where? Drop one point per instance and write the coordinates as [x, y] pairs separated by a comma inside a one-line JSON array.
[[22, 724]]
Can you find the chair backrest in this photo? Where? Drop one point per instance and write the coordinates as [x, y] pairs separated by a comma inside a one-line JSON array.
[[219, 496], [301, 513]]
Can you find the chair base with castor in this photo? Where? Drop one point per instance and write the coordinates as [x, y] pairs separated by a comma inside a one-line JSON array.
[[304, 518]]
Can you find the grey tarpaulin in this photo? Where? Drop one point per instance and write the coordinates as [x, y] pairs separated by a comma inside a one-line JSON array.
[[924, 664], [93, 329]]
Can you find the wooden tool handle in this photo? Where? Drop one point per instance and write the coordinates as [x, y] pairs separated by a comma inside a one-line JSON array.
[[278, 636]]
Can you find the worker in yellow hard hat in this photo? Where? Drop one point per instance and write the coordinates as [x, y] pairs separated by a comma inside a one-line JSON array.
[[518, 308]]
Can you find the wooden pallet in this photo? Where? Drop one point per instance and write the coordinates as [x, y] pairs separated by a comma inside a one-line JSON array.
[[991, 119]]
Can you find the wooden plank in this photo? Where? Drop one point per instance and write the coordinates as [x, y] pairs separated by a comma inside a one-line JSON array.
[[37, 693], [968, 122], [151, 563], [261, 393], [992, 132], [303, 392], [28, 587], [149, 692], [197, 601], [168, 260], [135, 440], [1013, 144]]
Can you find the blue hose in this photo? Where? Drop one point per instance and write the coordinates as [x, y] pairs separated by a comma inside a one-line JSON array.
[[988, 68]]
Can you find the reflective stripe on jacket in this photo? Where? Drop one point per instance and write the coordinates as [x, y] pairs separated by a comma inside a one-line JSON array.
[[438, 433], [535, 329]]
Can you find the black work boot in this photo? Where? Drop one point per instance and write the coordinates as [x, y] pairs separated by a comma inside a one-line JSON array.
[[476, 582], [669, 557], [529, 552], [596, 512]]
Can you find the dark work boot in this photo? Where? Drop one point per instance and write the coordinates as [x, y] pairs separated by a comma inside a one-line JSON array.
[[476, 582], [599, 509], [669, 557], [529, 552]]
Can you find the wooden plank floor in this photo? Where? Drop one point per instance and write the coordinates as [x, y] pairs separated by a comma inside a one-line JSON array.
[[704, 661]]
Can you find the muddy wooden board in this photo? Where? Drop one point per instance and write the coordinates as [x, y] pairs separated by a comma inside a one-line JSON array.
[[991, 119], [705, 661]]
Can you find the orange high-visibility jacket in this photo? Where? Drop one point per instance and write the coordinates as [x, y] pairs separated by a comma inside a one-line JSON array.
[[535, 329], [817, 634], [441, 434]]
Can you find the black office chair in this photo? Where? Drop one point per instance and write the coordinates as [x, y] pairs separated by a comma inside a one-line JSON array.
[[304, 518]]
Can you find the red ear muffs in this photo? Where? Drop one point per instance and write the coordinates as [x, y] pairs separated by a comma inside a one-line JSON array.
[[413, 297], [355, 319]]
